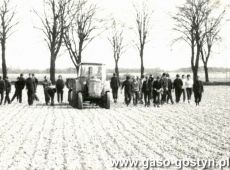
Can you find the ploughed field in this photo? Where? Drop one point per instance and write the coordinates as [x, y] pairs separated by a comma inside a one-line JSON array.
[[61, 137]]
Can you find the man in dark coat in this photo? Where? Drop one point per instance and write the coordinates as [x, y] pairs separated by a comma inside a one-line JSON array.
[[114, 84], [16, 93], [198, 89], [178, 87], [157, 88], [170, 87], [127, 85], [30, 89], [21, 86], [8, 90], [2, 89], [60, 84], [146, 90]]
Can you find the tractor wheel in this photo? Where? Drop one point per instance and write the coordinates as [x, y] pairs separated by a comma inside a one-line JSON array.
[[107, 101], [74, 100], [79, 100]]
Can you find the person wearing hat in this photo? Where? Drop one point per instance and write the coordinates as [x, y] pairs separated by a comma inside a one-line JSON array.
[[114, 84], [178, 87], [127, 85]]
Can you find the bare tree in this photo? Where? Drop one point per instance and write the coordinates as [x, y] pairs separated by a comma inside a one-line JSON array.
[[117, 42], [143, 18], [82, 30], [211, 36], [54, 25], [7, 16]]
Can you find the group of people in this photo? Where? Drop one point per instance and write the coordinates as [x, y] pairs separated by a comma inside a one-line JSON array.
[[157, 89], [31, 84]]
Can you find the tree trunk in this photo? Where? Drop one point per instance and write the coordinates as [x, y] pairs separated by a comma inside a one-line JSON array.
[[142, 62], [195, 73], [116, 69], [52, 68], [4, 68], [206, 72]]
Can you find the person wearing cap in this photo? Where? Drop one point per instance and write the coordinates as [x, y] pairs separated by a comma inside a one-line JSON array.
[[114, 84], [2, 89], [198, 89], [178, 87], [128, 90], [8, 90]]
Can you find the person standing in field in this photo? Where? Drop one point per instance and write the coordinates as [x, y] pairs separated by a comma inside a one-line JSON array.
[[198, 89], [189, 86], [183, 88], [135, 90], [128, 90], [157, 87], [146, 89], [30, 89], [16, 93], [60, 84], [21, 86], [170, 87], [8, 90], [2, 89], [35, 82], [114, 84], [46, 83], [164, 83], [178, 87]]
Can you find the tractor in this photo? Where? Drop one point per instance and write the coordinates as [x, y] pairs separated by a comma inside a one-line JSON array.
[[89, 86]]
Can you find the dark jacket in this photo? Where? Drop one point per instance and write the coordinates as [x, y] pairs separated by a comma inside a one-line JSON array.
[[30, 84], [114, 83], [178, 84], [2, 85], [147, 86], [128, 86], [198, 87], [7, 86], [170, 84], [164, 83], [21, 83], [60, 84], [157, 85]]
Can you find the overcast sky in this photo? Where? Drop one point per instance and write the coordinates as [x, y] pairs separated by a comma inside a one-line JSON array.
[[27, 49]]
